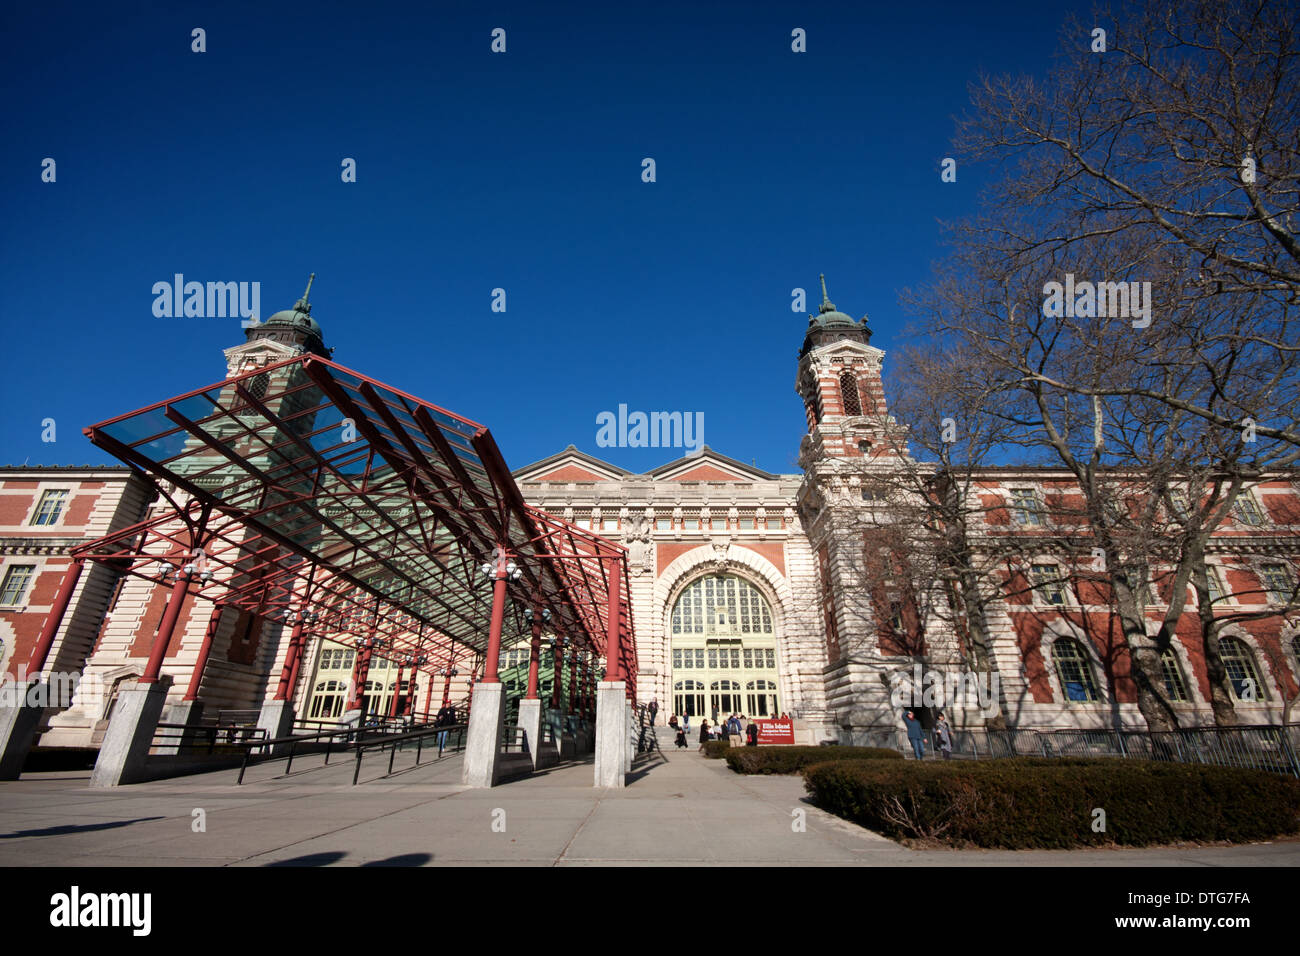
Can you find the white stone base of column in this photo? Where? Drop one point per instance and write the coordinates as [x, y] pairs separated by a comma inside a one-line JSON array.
[[125, 749], [611, 733], [530, 719], [487, 717], [276, 718], [18, 722], [187, 712]]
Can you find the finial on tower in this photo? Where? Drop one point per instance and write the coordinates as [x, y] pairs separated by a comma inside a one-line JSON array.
[[302, 305], [827, 304]]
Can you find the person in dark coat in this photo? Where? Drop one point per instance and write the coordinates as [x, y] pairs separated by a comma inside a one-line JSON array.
[[681, 738], [943, 732], [704, 734], [751, 734], [654, 710], [915, 734]]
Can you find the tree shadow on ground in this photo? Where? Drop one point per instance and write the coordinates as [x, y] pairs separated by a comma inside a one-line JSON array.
[[75, 828]]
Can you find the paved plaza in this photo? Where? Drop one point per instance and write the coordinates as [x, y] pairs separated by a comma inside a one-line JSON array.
[[678, 808]]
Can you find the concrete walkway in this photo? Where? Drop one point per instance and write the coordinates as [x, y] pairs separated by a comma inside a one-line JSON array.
[[678, 809]]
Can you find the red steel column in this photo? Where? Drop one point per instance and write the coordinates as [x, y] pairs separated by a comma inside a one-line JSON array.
[[170, 616], [397, 693], [297, 666], [613, 638], [573, 681], [498, 617], [557, 667], [446, 689], [290, 669], [200, 665], [36, 663], [361, 672], [535, 654]]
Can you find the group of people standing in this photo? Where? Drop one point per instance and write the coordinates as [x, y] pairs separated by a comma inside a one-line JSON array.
[[737, 729]]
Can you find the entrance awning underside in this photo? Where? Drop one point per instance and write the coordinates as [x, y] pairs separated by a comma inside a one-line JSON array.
[[305, 489]]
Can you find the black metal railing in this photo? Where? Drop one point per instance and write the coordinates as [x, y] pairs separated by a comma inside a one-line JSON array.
[[1257, 746], [206, 738], [453, 734]]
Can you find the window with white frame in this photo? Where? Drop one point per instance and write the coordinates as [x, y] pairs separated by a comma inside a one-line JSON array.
[[1175, 685], [1214, 584], [1024, 506], [1246, 509], [50, 507], [1243, 675], [16, 579], [1048, 586], [1074, 670], [1276, 581]]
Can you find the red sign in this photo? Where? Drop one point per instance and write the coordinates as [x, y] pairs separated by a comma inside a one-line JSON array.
[[777, 731]]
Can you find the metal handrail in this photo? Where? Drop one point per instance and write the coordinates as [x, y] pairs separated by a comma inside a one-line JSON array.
[[395, 741], [186, 733]]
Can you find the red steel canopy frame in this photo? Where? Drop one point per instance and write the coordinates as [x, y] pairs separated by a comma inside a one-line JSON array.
[[307, 492]]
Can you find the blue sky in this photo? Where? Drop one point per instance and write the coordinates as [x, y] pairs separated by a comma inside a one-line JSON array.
[[477, 171]]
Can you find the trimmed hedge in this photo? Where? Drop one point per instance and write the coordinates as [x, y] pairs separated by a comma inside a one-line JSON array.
[[793, 759], [716, 748], [1023, 803]]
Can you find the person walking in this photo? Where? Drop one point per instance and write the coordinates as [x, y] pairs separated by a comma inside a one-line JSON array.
[[944, 735], [654, 709], [446, 717], [704, 734], [915, 734], [733, 731]]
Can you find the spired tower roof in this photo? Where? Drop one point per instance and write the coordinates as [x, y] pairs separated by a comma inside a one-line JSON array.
[[305, 330], [832, 325]]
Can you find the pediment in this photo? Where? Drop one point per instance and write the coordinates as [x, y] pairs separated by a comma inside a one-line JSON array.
[[709, 465], [571, 465]]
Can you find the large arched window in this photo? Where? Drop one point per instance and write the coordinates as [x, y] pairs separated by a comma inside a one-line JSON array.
[[1073, 670], [723, 644], [1243, 675], [849, 395], [722, 605]]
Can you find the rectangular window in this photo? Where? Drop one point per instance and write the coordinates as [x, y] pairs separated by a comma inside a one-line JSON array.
[[713, 657], [746, 524], [50, 507], [17, 577], [770, 654], [677, 657], [584, 523], [749, 658], [692, 524], [609, 524], [699, 658], [1214, 585], [718, 524], [1047, 584], [664, 524], [1180, 507], [1246, 508], [735, 658], [1276, 581], [1024, 504]]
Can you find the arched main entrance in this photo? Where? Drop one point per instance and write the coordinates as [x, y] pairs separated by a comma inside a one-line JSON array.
[[723, 650]]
